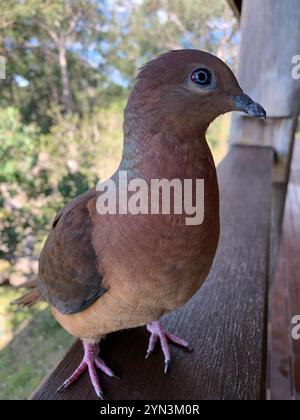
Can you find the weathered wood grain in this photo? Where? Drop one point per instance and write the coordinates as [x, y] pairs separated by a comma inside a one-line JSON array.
[[270, 39], [284, 360], [225, 322]]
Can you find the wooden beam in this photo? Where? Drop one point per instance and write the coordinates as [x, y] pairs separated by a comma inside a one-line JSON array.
[[270, 39], [284, 352], [225, 321]]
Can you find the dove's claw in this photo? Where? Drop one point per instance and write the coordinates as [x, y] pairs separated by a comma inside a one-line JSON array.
[[148, 354], [159, 333], [60, 388], [167, 366], [90, 361]]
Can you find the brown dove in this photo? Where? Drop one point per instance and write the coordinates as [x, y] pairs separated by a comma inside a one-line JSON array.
[[106, 272]]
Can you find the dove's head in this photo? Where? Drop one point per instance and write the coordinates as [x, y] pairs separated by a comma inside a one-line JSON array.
[[189, 87]]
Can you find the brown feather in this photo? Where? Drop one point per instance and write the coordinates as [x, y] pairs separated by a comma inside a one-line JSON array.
[[29, 299], [68, 275]]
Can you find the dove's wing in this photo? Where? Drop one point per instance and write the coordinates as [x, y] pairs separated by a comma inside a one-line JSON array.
[[68, 272]]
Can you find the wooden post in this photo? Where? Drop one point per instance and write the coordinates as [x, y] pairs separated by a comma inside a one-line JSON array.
[[270, 40]]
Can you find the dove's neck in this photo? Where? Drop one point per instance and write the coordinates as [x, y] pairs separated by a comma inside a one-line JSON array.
[[163, 149]]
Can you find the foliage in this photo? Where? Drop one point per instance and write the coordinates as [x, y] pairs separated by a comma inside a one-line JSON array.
[[80, 55], [19, 146], [41, 172], [18, 143], [151, 27]]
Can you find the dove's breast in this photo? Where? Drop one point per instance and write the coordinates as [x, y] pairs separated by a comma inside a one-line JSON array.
[[150, 264]]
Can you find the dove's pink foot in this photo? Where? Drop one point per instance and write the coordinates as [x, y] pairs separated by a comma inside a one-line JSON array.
[[90, 361], [159, 333]]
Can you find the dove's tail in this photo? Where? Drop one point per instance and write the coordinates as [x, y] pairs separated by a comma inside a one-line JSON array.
[[30, 298]]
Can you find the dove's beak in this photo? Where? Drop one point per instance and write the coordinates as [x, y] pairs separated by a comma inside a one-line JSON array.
[[245, 104]]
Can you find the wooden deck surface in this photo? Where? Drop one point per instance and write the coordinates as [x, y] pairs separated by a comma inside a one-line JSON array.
[[284, 352], [225, 322]]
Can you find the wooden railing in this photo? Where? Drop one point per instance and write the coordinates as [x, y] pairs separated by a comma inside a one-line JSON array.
[[225, 322]]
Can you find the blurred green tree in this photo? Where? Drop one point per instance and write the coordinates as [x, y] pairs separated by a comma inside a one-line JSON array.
[[78, 55]]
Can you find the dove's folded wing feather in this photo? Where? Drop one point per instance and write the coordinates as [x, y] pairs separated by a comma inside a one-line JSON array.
[[69, 278]]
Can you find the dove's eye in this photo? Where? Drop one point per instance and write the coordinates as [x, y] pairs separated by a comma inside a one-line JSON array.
[[202, 77]]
